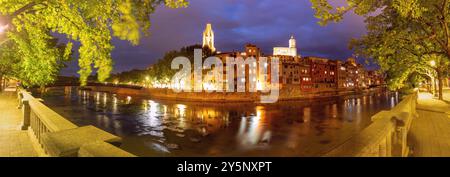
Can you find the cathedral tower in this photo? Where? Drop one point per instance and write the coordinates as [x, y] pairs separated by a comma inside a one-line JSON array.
[[292, 42], [208, 37], [287, 51]]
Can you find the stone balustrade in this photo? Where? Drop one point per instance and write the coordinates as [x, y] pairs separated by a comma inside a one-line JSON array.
[[386, 136], [55, 136]]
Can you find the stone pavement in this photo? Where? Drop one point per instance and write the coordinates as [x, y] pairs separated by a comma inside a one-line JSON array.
[[13, 141], [430, 132]]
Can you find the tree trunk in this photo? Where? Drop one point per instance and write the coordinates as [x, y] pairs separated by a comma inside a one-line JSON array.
[[1, 82], [440, 84], [42, 89]]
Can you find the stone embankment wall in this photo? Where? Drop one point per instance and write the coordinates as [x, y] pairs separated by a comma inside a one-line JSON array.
[[387, 136], [54, 136], [286, 94]]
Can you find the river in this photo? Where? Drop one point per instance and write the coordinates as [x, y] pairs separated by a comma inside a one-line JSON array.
[[166, 128]]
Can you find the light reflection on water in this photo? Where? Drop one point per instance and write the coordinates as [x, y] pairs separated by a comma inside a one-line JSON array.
[[164, 128]]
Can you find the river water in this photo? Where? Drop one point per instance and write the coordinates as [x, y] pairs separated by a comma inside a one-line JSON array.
[[166, 128]]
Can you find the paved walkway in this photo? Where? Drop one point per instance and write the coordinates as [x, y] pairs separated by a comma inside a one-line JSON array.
[[430, 132], [13, 141]]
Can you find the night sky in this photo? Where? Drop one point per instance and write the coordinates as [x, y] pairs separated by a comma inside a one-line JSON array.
[[266, 23]]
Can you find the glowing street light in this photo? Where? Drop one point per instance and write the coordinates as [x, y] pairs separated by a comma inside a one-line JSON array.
[[3, 28], [433, 63]]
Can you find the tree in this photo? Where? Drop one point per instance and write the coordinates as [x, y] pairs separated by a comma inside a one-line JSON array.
[[161, 72], [8, 62], [134, 76], [33, 62], [91, 23], [403, 36]]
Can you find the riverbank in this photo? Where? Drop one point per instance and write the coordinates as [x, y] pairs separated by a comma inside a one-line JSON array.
[[288, 94]]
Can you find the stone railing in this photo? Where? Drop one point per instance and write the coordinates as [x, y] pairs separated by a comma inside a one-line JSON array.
[[53, 135], [386, 136]]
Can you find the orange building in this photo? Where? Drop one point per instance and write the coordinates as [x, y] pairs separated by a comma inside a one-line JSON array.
[[251, 50], [323, 74]]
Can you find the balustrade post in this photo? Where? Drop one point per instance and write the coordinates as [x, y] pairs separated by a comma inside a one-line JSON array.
[[26, 114], [19, 98], [405, 148], [389, 144], [399, 146], [415, 102]]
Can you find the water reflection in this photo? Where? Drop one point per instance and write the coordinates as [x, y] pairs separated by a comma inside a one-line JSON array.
[[163, 128], [253, 131]]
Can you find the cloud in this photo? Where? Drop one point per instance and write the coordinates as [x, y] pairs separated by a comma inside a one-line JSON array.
[[266, 23]]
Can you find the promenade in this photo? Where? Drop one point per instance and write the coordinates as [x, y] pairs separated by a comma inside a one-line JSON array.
[[13, 141], [430, 132]]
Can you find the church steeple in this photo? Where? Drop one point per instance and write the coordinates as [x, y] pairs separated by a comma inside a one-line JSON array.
[[287, 51], [292, 42], [208, 37]]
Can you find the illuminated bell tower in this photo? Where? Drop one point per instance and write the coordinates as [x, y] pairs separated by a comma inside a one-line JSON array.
[[287, 51], [208, 37], [292, 42]]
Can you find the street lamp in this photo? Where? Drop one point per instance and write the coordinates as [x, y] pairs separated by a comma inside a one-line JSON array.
[[433, 63], [3, 28]]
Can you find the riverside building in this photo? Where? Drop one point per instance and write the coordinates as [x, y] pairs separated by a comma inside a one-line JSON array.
[[309, 74]]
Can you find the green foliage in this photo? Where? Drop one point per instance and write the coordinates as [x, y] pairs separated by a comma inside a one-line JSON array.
[[8, 59], [35, 61], [134, 76], [403, 36], [326, 12], [161, 71], [92, 23]]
